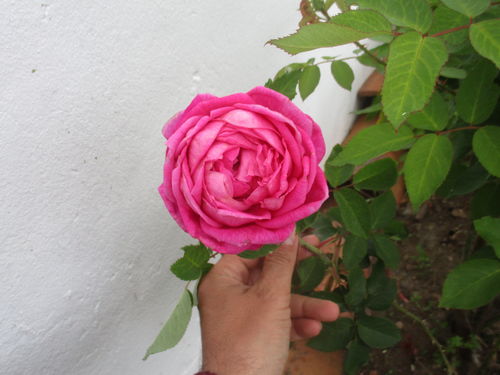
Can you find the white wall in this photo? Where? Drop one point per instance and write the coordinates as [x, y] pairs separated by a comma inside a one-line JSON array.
[[85, 242]]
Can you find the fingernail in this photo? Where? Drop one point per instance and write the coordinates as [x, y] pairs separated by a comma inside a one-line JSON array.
[[291, 239]]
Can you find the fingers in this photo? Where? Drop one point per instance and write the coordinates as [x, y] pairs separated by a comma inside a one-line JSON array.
[[304, 329], [313, 308], [278, 266], [234, 269]]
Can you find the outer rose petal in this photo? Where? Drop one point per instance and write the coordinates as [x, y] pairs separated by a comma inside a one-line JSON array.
[[242, 169]]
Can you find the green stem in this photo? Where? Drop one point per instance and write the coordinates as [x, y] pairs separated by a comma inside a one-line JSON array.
[[452, 30], [450, 369], [315, 250], [369, 53]]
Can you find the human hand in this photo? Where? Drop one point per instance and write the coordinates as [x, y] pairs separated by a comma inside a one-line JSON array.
[[248, 314]]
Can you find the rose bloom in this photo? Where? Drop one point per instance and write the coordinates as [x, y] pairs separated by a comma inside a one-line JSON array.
[[242, 169]]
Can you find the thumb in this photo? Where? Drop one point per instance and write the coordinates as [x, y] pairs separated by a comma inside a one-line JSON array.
[[278, 266]]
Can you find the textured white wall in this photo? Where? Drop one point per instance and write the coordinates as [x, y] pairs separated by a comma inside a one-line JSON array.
[[85, 242]]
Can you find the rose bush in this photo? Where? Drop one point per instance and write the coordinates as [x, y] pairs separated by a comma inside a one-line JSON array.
[[242, 169]]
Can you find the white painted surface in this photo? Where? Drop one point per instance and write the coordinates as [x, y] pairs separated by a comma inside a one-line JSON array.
[[85, 242]]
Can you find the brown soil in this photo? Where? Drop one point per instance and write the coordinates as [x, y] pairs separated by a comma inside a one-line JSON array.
[[440, 238]]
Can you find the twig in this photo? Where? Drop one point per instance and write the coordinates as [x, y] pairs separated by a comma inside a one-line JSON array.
[[369, 53], [450, 369], [315, 250], [452, 30]]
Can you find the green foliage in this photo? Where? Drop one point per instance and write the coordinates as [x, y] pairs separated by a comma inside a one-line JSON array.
[[471, 8], [386, 250], [310, 273], [478, 94], [413, 66], [445, 18], [486, 146], [485, 201], [485, 38], [472, 284], [354, 251], [426, 167], [380, 288], [357, 287], [382, 210], [434, 116], [415, 14], [379, 175], [174, 328], [342, 29], [489, 228], [192, 264], [372, 142], [357, 355], [377, 332], [309, 80], [354, 211], [343, 74], [333, 336]]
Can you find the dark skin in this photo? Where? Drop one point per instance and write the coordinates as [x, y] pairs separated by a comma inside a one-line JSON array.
[[249, 315]]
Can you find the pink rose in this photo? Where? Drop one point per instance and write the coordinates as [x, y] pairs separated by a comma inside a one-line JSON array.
[[242, 169]]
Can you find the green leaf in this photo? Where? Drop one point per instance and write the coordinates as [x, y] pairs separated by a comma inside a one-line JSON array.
[[357, 355], [426, 167], [310, 273], [323, 227], [286, 84], [471, 8], [433, 117], [387, 250], [309, 81], [354, 211], [365, 20], [259, 253], [489, 228], [379, 175], [396, 230], [486, 146], [357, 287], [463, 180], [192, 264], [318, 5], [485, 201], [343, 74], [174, 328], [354, 251], [415, 14], [413, 66], [338, 175], [372, 142], [381, 289], [472, 284], [450, 72], [382, 210], [485, 38], [377, 107], [477, 95], [378, 333], [381, 52], [342, 29], [184, 270], [445, 19], [333, 336]]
